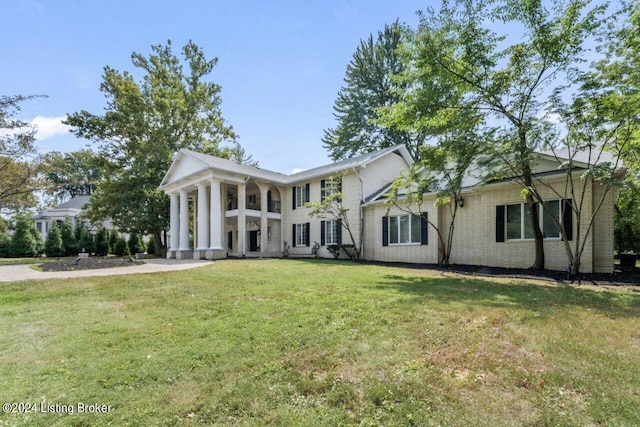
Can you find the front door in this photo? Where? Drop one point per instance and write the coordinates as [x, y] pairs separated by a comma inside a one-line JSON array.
[[253, 241]]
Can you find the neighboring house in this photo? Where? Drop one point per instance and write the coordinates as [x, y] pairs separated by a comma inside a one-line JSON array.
[[241, 210], [69, 209]]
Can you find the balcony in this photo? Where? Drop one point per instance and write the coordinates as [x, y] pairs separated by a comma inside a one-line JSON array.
[[253, 203]]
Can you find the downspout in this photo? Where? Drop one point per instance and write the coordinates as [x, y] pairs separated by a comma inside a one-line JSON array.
[[361, 214]]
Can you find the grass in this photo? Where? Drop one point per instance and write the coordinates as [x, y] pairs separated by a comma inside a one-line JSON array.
[[31, 260], [307, 342]]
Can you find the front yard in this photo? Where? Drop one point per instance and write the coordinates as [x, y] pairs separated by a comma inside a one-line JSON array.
[[295, 342]]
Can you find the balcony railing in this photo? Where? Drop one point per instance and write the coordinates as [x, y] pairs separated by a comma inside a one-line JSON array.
[[254, 204]]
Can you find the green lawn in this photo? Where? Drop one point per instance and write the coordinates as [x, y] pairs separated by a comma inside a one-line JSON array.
[[293, 342]]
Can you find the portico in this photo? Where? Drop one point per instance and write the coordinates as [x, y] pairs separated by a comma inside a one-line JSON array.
[[215, 215]]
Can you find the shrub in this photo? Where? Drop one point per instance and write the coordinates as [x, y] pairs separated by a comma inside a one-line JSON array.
[[69, 243], [136, 245], [102, 242], [23, 243], [151, 245], [122, 247], [5, 244], [53, 244]]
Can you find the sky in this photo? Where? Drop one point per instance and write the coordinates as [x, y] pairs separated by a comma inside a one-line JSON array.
[[281, 63]]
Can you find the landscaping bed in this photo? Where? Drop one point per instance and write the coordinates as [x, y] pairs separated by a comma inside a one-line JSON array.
[[90, 263]]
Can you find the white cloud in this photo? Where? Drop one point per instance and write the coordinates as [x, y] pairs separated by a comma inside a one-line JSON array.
[[49, 127]]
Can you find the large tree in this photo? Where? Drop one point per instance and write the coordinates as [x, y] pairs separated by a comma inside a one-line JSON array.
[[67, 175], [17, 150], [368, 86], [145, 124], [506, 83]]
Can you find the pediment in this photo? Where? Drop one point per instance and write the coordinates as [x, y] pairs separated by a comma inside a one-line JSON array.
[[182, 167]]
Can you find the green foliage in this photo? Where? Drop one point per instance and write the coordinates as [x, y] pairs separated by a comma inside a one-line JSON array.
[[136, 245], [151, 245], [113, 239], [5, 244], [146, 123], [53, 244], [24, 243], [69, 242], [368, 86], [17, 148], [67, 175], [122, 247], [103, 247]]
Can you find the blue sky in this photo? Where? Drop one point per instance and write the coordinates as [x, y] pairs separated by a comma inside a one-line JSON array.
[[281, 63]]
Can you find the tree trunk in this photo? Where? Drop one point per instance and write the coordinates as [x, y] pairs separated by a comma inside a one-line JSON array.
[[538, 263], [161, 244]]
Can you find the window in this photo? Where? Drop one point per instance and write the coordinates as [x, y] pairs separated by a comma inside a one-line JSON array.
[[300, 195], [405, 229], [331, 232], [39, 226], [301, 234], [330, 186], [518, 221]]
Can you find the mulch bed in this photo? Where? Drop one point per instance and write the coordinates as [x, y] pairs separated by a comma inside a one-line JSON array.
[[88, 264]]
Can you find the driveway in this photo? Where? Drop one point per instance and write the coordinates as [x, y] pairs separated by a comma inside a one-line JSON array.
[[15, 273]]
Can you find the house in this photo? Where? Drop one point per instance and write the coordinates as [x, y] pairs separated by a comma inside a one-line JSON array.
[[241, 210], [69, 209]]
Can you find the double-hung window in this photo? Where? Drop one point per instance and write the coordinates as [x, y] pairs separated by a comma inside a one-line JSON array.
[[331, 232]]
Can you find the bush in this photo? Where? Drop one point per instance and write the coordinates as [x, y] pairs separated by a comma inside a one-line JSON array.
[[102, 242], [53, 245], [122, 247], [5, 244], [151, 245], [84, 239], [69, 243], [136, 245], [24, 243]]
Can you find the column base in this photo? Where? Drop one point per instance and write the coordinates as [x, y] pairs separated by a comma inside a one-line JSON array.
[[215, 253], [184, 254]]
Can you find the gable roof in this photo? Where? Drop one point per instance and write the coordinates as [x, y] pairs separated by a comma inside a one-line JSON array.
[[229, 166], [77, 202]]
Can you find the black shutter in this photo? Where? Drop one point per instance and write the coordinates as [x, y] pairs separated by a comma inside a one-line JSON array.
[[269, 201], [567, 218], [306, 196], [500, 223], [294, 236], [294, 197], [339, 227], [385, 231], [323, 193], [322, 235], [306, 239], [424, 229]]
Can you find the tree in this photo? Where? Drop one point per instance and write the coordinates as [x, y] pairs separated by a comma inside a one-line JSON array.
[[53, 243], [5, 240], [441, 169], [17, 149], [122, 247], [368, 86], [144, 126], [330, 208], [136, 245], [505, 84], [84, 239], [102, 242], [25, 242], [69, 242], [67, 175]]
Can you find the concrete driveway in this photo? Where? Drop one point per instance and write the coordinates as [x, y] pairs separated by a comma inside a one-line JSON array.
[[15, 273]]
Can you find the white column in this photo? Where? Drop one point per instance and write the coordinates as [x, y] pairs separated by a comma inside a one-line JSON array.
[[174, 218], [215, 217], [264, 208], [203, 218], [242, 220], [184, 221]]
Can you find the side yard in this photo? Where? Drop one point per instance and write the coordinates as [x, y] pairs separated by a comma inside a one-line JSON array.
[[308, 342]]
